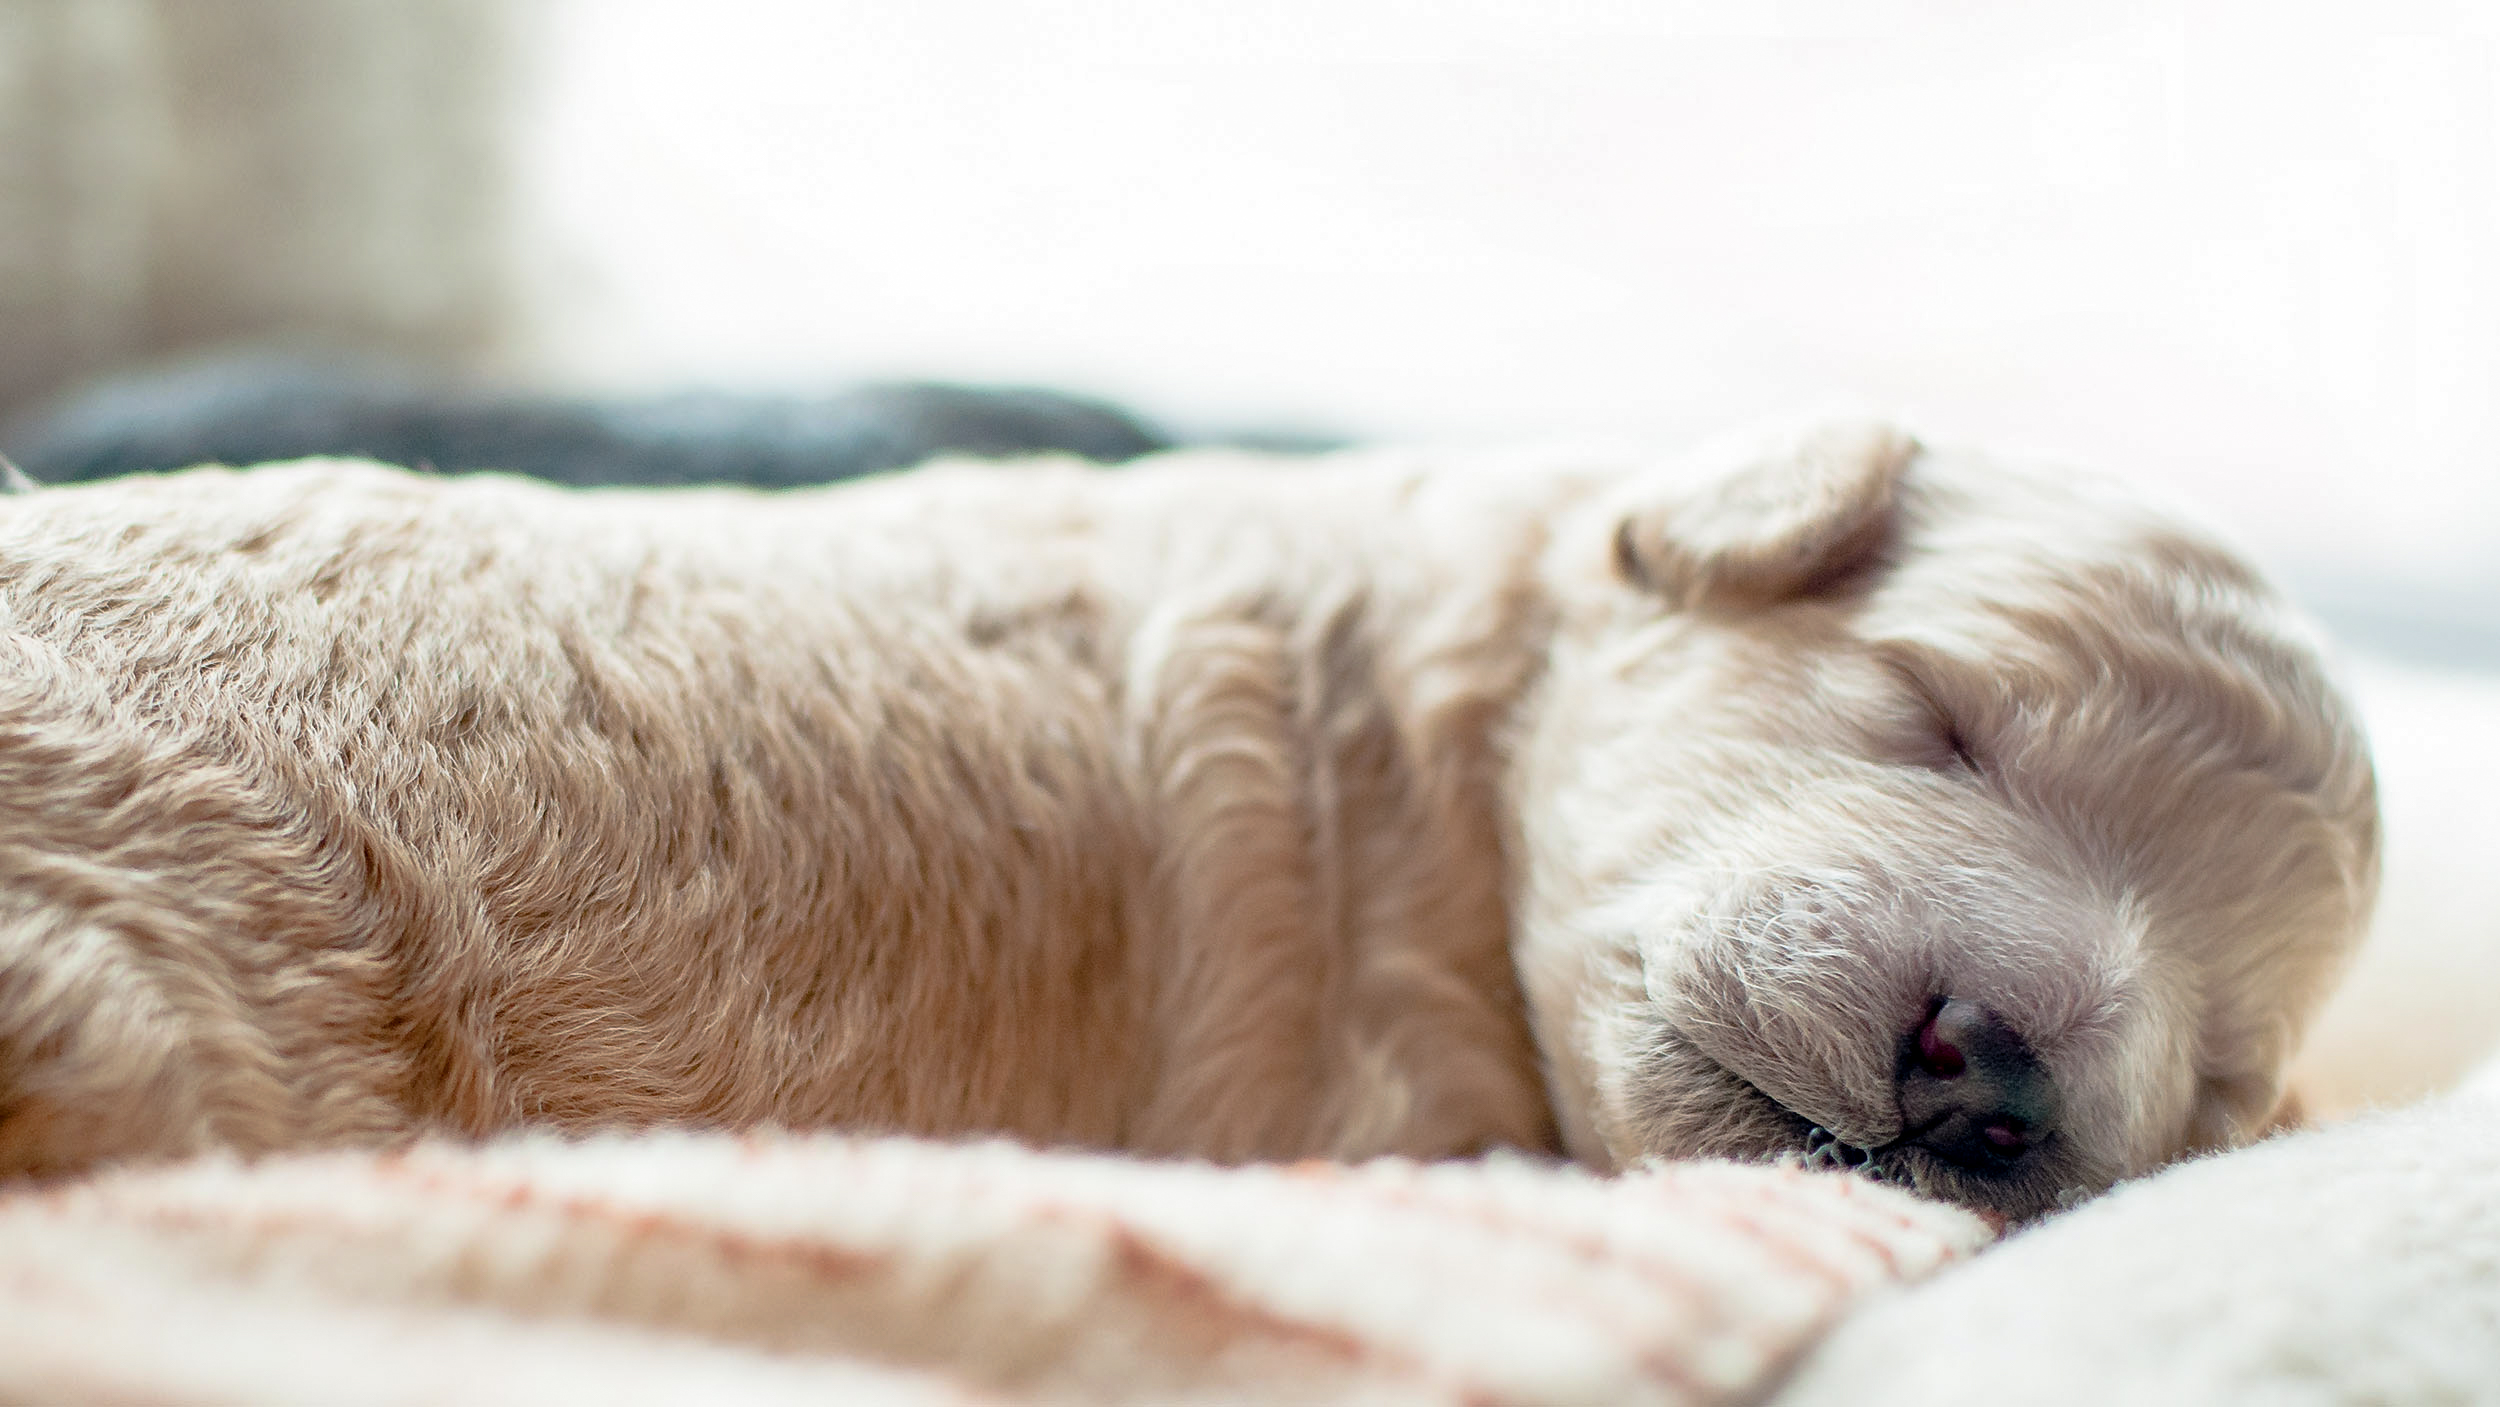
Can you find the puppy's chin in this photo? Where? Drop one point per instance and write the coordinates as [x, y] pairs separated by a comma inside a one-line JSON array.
[[1663, 1098]]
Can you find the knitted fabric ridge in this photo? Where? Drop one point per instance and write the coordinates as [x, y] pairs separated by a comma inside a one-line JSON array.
[[676, 1267]]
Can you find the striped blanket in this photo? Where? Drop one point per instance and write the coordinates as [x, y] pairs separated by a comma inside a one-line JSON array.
[[685, 1268]]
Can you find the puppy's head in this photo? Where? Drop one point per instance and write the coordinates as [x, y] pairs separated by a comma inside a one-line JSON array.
[[1977, 828]]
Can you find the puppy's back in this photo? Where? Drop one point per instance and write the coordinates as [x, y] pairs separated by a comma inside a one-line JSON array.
[[615, 807]]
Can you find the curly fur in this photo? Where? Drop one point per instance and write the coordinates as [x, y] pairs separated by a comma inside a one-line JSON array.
[[1218, 807]]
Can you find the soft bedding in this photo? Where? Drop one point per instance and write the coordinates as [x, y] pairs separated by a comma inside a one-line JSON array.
[[682, 1268], [2357, 1264], [2354, 1264]]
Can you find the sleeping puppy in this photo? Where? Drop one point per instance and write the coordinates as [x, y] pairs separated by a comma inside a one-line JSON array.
[[1834, 799]]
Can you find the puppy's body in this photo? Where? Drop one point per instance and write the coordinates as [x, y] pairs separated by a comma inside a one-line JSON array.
[[1153, 811], [1201, 808]]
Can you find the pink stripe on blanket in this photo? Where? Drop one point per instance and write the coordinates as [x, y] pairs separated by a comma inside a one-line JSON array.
[[892, 1270]]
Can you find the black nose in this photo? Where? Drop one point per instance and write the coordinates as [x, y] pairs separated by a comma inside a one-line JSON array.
[[1971, 1090]]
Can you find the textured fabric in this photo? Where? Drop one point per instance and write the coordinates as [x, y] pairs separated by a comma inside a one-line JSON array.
[[684, 1268], [2355, 1264]]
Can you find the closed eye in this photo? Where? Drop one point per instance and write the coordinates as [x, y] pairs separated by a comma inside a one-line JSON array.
[[1942, 743], [1960, 744]]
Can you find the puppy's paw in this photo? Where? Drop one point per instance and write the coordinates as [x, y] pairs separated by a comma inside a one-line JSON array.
[[1754, 523]]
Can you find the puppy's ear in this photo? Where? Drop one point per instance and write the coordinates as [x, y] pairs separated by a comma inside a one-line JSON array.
[[1771, 523]]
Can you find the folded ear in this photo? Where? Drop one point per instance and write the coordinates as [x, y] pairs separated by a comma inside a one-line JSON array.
[[1772, 523]]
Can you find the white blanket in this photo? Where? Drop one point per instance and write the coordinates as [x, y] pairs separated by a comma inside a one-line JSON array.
[[2353, 1264], [676, 1268]]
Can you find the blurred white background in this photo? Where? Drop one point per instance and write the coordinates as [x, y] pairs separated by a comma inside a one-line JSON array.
[[2250, 249]]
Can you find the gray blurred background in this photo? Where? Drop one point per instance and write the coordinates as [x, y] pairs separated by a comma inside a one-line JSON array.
[[180, 174], [2246, 252]]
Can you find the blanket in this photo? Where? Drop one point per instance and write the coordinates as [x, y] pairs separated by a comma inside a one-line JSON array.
[[680, 1268], [2353, 1264]]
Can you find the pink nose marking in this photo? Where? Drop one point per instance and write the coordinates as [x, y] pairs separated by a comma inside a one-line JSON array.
[[1941, 1057]]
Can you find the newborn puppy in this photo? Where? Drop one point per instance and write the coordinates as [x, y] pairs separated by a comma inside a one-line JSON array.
[[1834, 799]]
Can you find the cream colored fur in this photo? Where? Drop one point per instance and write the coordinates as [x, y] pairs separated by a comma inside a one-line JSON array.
[[1206, 807]]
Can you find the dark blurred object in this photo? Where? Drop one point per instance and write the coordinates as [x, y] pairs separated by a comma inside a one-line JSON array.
[[251, 409]]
